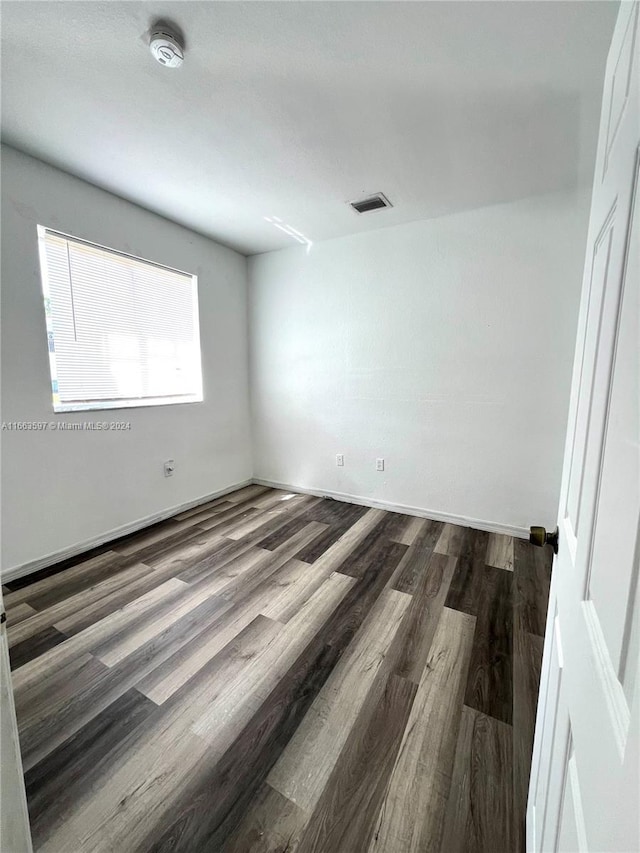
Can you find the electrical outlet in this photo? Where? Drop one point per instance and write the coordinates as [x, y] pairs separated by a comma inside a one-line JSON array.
[[379, 464], [340, 459], [169, 468]]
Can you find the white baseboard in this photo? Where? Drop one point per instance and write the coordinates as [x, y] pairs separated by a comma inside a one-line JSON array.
[[20, 571], [462, 520], [44, 562]]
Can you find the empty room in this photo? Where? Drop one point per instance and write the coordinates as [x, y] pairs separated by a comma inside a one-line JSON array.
[[320, 426]]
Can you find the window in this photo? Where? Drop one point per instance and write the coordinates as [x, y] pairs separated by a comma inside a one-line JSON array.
[[122, 331]]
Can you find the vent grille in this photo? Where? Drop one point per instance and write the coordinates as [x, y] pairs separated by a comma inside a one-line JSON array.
[[374, 202]]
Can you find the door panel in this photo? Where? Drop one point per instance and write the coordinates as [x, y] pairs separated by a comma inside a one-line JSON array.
[[585, 789], [555, 724], [600, 269], [623, 51], [15, 836], [572, 835], [615, 538]]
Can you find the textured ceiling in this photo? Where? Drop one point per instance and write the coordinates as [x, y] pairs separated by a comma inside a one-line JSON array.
[[284, 112]]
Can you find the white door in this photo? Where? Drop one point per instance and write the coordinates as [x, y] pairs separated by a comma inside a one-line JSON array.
[[585, 793], [14, 820]]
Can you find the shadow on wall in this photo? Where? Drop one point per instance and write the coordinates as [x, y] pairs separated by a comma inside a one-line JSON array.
[[464, 151], [505, 147]]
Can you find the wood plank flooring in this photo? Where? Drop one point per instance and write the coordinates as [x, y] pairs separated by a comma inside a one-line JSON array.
[[279, 673]]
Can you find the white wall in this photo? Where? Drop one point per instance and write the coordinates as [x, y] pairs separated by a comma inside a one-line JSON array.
[[64, 488], [444, 346]]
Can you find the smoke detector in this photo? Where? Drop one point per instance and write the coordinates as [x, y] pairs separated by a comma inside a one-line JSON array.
[[166, 48]]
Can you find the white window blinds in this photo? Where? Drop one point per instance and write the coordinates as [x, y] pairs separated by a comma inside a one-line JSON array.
[[122, 331]]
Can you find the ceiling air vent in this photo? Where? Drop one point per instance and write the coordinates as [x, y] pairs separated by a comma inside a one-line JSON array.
[[374, 202]]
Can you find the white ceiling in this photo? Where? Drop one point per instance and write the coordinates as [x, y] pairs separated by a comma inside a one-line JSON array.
[[293, 109]]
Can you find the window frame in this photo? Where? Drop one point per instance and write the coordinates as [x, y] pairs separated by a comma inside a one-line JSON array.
[[123, 402]]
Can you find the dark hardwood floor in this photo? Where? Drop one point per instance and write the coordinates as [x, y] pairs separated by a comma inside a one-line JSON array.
[[278, 672]]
